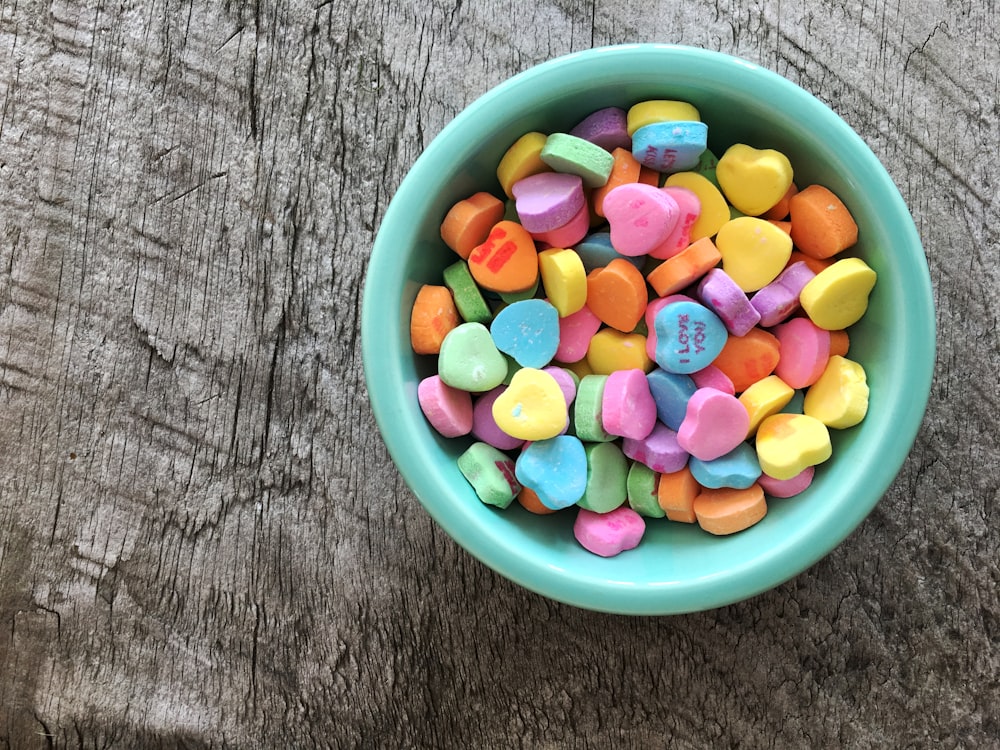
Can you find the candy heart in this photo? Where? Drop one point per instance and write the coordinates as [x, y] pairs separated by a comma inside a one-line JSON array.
[[670, 146], [617, 294], [658, 450], [641, 217], [839, 399], [723, 297], [607, 478], [469, 360], [788, 443], [607, 534], [507, 261], [714, 424], [753, 179], [548, 200], [528, 331], [556, 469], [738, 469], [689, 208], [533, 407], [754, 251], [688, 337], [671, 391], [627, 406]]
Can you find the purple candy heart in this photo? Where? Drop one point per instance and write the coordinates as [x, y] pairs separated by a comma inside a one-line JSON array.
[[548, 200]]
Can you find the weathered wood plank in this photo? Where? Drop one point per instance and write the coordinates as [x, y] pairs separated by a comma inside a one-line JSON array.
[[202, 540]]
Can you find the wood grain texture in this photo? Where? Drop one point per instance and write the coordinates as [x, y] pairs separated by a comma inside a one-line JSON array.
[[202, 541]]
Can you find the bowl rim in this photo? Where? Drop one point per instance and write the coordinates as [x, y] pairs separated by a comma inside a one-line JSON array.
[[396, 420]]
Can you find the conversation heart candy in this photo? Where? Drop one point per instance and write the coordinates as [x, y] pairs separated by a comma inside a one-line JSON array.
[[839, 398], [722, 296], [838, 296], [627, 406], [596, 251], [714, 424], [548, 200], [659, 110], [738, 469], [777, 300], [564, 279], [575, 332], [641, 491], [588, 420], [689, 209], [804, 352], [753, 180], [533, 407], [688, 337], [659, 450], [521, 160], [714, 211], [765, 397], [608, 534], [670, 146], [448, 409], [607, 128], [671, 391], [612, 350], [507, 261], [567, 381], [469, 360], [754, 251], [676, 492], [607, 472], [788, 443], [484, 426], [569, 154], [787, 487], [617, 294], [640, 216], [528, 331], [491, 474], [727, 510], [556, 469]]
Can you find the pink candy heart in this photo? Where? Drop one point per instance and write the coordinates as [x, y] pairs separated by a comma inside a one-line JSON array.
[[641, 217], [714, 424]]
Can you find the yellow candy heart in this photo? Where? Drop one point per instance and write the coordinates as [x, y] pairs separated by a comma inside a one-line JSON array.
[[612, 350], [753, 250], [753, 179], [564, 279], [838, 296], [765, 397], [788, 443], [532, 407], [714, 209], [659, 110], [522, 159], [839, 399]]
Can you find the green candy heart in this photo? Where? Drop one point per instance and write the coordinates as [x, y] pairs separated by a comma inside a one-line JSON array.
[[469, 360]]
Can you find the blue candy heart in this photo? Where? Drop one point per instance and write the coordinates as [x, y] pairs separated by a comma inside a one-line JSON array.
[[556, 469], [688, 337], [738, 469], [528, 331]]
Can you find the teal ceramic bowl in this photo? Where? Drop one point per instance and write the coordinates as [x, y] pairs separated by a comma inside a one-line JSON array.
[[677, 568]]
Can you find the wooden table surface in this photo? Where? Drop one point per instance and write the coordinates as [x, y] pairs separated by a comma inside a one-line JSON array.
[[203, 542]]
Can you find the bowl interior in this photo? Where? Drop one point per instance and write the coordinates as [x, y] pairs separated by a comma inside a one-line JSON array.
[[677, 568]]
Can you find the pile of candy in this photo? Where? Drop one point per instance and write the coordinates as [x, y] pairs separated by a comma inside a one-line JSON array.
[[641, 330]]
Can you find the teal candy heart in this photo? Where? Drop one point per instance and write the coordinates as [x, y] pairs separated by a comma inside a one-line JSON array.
[[469, 360], [528, 331], [556, 469]]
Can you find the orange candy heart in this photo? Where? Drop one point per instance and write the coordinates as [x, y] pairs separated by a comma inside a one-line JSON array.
[[617, 294], [507, 261]]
